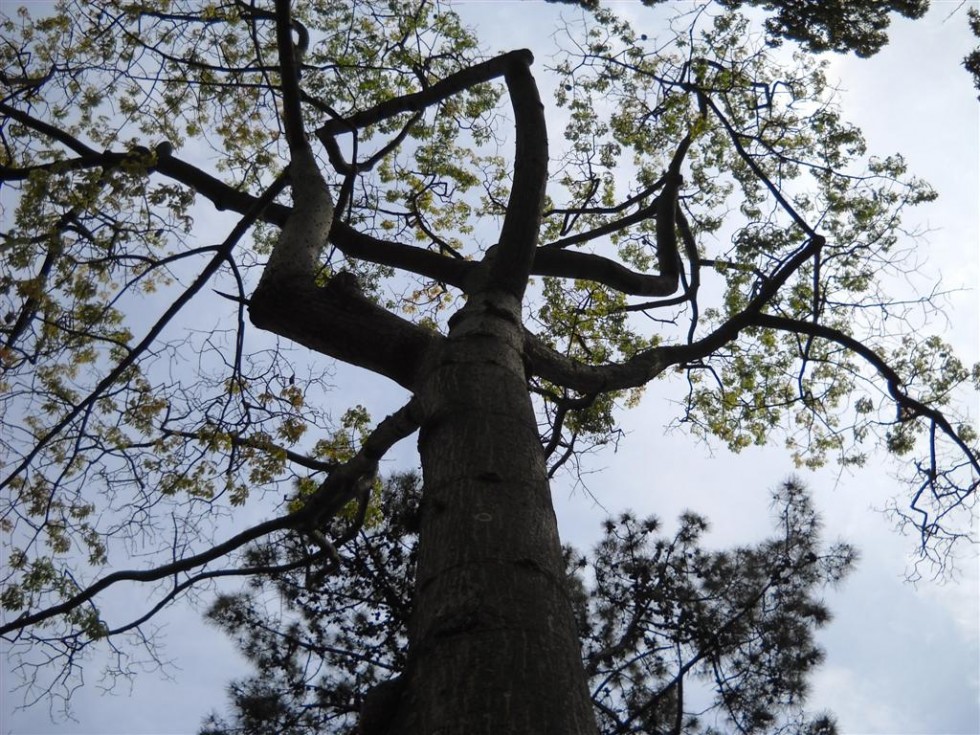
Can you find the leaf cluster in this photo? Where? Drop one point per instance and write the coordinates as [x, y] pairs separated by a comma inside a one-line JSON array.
[[832, 25]]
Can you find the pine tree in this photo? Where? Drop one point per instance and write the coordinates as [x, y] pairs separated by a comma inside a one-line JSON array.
[[675, 638]]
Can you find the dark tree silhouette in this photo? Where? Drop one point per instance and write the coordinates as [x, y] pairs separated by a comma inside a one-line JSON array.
[[658, 616]]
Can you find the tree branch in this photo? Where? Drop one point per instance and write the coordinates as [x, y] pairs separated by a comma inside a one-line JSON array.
[[553, 260], [348, 240], [333, 494], [592, 267], [419, 101], [289, 79], [646, 365], [203, 277], [908, 406], [522, 221]]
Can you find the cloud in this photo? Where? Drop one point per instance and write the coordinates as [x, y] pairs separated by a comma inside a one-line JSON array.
[[860, 704]]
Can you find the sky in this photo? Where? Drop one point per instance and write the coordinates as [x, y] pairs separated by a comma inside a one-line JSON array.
[[901, 658]]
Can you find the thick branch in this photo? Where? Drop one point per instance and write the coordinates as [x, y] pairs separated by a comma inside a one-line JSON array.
[[354, 244], [553, 260], [340, 322], [340, 486], [592, 267], [569, 373], [336, 320], [646, 365], [522, 221], [289, 74], [304, 234], [419, 101], [349, 241]]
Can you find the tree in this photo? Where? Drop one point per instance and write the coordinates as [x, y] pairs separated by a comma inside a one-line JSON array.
[[972, 60], [658, 615], [837, 25], [358, 147]]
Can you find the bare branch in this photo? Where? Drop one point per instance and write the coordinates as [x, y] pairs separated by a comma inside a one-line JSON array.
[[443, 89]]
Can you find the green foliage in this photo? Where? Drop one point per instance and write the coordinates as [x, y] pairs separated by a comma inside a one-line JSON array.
[[829, 25], [834, 25], [757, 128], [115, 421], [972, 61], [661, 618]]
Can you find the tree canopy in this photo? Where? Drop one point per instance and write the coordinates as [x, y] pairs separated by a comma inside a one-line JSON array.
[[201, 196], [836, 25]]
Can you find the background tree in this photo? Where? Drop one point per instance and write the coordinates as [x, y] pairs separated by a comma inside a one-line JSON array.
[[972, 60], [658, 616], [838, 25], [382, 120]]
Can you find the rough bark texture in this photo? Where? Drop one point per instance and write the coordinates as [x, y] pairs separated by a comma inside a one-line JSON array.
[[494, 648]]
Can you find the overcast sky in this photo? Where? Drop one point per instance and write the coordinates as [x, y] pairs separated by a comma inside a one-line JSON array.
[[900, 659]]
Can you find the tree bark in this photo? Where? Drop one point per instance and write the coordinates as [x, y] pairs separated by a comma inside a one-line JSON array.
[[493, 642], [493, 645]]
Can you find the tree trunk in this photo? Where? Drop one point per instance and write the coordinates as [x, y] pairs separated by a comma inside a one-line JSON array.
[[493, 643]]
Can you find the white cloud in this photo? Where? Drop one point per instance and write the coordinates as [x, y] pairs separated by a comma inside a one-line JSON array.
[[859, 704]]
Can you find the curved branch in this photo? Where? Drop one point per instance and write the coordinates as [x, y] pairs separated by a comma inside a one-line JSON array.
[[522, 221], [646, 365], [333, 320], [598, 268], [150, 575], [691, 250], [335, 492], [264, 569], [668, 258], [419, 101], [349, 241], [908, 406], [553, 260], [345, 168], [51, 131], [304, 233], [341, 322], [578, 376], [563, 406]]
